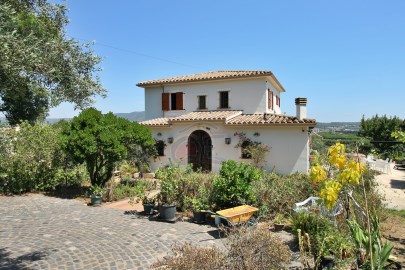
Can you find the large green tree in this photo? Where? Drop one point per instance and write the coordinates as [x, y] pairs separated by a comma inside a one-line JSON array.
[[102, 139], [40, 67], [379, 129]]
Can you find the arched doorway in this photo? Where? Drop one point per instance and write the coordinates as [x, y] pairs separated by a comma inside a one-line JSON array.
[[200, 150]]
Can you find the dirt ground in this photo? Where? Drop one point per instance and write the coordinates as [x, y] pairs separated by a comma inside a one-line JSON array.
[[392, 185], [394, 231]]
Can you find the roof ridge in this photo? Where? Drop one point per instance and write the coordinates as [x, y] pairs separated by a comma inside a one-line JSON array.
[[209, 75]]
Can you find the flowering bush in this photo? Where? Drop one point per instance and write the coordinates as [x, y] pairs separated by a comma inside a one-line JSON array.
[[339, 178], [341, 174]]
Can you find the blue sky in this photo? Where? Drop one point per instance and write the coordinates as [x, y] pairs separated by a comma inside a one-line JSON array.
[[346, 57]]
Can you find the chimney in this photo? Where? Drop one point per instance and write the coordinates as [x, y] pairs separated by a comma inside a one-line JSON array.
[[301, 104]]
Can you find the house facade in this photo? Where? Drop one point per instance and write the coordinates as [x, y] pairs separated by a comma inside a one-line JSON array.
[[198, 119]]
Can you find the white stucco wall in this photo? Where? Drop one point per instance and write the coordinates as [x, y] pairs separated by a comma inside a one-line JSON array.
[[289, 151], [249, 95], [153, 103]]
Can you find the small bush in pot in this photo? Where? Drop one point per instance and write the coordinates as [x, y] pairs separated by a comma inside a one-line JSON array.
[[168, 194], [198, 205], [148, 204], [280, 221], [96, 194]]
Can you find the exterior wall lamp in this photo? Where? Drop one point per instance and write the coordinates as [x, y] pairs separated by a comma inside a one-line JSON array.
[[170, 140], [228, 140]]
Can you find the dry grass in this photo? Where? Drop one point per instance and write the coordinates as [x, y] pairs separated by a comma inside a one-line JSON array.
[[245, 248]]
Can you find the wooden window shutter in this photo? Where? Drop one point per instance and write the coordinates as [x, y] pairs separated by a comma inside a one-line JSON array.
[[270, 99], [165, 101], [179, 101]]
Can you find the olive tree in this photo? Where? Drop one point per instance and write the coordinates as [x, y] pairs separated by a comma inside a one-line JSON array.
[[100, 140], [40, 66]]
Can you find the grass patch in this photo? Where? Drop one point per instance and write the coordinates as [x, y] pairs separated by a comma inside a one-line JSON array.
[[398, 213]]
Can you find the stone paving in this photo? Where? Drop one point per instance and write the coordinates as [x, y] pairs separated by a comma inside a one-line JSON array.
[[39, 232]]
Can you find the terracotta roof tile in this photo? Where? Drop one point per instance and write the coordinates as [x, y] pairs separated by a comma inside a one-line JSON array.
[[156, 122], [206, 116], [211, 75], [267, 119], [232, 118]]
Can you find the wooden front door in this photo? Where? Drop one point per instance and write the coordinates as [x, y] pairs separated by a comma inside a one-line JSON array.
[[200, 150]]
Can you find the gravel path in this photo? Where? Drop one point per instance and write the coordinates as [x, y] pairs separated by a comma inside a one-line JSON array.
[[392, 185]]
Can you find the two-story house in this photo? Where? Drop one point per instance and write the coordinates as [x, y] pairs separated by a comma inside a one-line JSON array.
[[196, 119]]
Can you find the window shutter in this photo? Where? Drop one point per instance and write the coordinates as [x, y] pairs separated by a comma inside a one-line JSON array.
[[165, 101], [270, 99], [179, 101]]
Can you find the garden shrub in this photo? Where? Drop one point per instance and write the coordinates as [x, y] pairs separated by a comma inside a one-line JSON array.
[[277, 194], [100, 140], [192, 257], [374, 197], [247, 249], [183, 184], [311, 223], [73, 175], [30, 158], [325, 238], [122, 191], [128, 189], [234, 184]]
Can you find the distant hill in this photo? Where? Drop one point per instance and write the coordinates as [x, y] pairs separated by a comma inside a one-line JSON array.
[[132, 116], [339, 127]]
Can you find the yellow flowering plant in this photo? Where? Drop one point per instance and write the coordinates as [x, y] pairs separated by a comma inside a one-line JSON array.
[[341, 173], [335, 182]]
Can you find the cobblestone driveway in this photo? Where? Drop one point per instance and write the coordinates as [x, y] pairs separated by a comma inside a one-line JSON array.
[[39, 232]]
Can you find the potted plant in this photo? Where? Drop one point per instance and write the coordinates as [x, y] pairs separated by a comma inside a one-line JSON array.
[[200, 216], [167, 198], [96, 194], [148, 204], [279, 222]]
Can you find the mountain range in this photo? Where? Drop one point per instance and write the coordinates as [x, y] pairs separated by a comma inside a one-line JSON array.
[[132, 116]]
